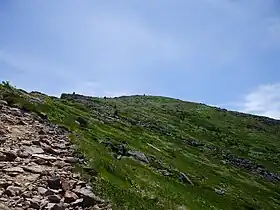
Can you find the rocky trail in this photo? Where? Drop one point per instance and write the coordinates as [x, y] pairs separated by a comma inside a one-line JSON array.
[[36, 162]]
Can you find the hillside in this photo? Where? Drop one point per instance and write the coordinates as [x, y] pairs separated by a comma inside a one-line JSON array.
[[151, 152]]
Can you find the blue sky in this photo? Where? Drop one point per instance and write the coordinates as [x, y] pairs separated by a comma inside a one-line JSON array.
[[219, 52]]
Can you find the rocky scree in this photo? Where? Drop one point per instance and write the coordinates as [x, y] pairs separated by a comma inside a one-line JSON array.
[[36, 160]]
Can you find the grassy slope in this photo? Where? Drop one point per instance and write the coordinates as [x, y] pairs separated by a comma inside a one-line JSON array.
[[165, 123]]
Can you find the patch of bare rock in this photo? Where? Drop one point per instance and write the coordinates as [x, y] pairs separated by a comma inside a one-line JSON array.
[[36, 166]]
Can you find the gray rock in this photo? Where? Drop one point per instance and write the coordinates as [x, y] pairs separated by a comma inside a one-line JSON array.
[[138, 156], [89, 199], [70, 197], [42, 190], [14, 169], [44, 157], [23, 154], [78, 202], [35, 169], [71, 160], [34, 150], [219, 191], [49, 149]]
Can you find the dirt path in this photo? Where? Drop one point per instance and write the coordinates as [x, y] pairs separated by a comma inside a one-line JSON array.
[[35, 166]]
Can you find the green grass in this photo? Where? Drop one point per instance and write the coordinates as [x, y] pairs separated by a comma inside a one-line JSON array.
[[138, 121]]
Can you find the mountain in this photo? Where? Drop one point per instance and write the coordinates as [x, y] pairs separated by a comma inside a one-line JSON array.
[[153, 152]]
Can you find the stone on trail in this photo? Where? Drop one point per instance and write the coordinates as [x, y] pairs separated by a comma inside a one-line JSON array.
[[70, 197], [34, 150], [54, 182]]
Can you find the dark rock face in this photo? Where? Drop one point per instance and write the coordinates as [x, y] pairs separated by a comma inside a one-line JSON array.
[[252, 167], [36, 171]]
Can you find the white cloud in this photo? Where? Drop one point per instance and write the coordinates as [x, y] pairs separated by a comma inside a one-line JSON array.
[[264, 100]]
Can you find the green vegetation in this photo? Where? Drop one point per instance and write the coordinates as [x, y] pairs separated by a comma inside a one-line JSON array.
[[205, 143]]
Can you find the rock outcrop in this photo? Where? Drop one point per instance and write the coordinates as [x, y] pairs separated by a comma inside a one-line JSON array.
[[36, 160]]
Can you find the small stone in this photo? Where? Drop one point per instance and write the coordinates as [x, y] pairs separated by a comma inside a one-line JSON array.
[[49, 149], [17, 184], [14, 169], [44, 202], [54, 198], [76, 175], [61, 164], [219, 191], [44, 157], [70, 197], [78, 202], [42, 190], [89, 199], [96, 207], [35, 203], [71, 160], [26, 143], [65, 185], [50, 206], [23, 154], [54, 182], [138, 156], [35, 169], [27, 203], [27, 194], [34, 150], [81, 183], [3, 102]]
